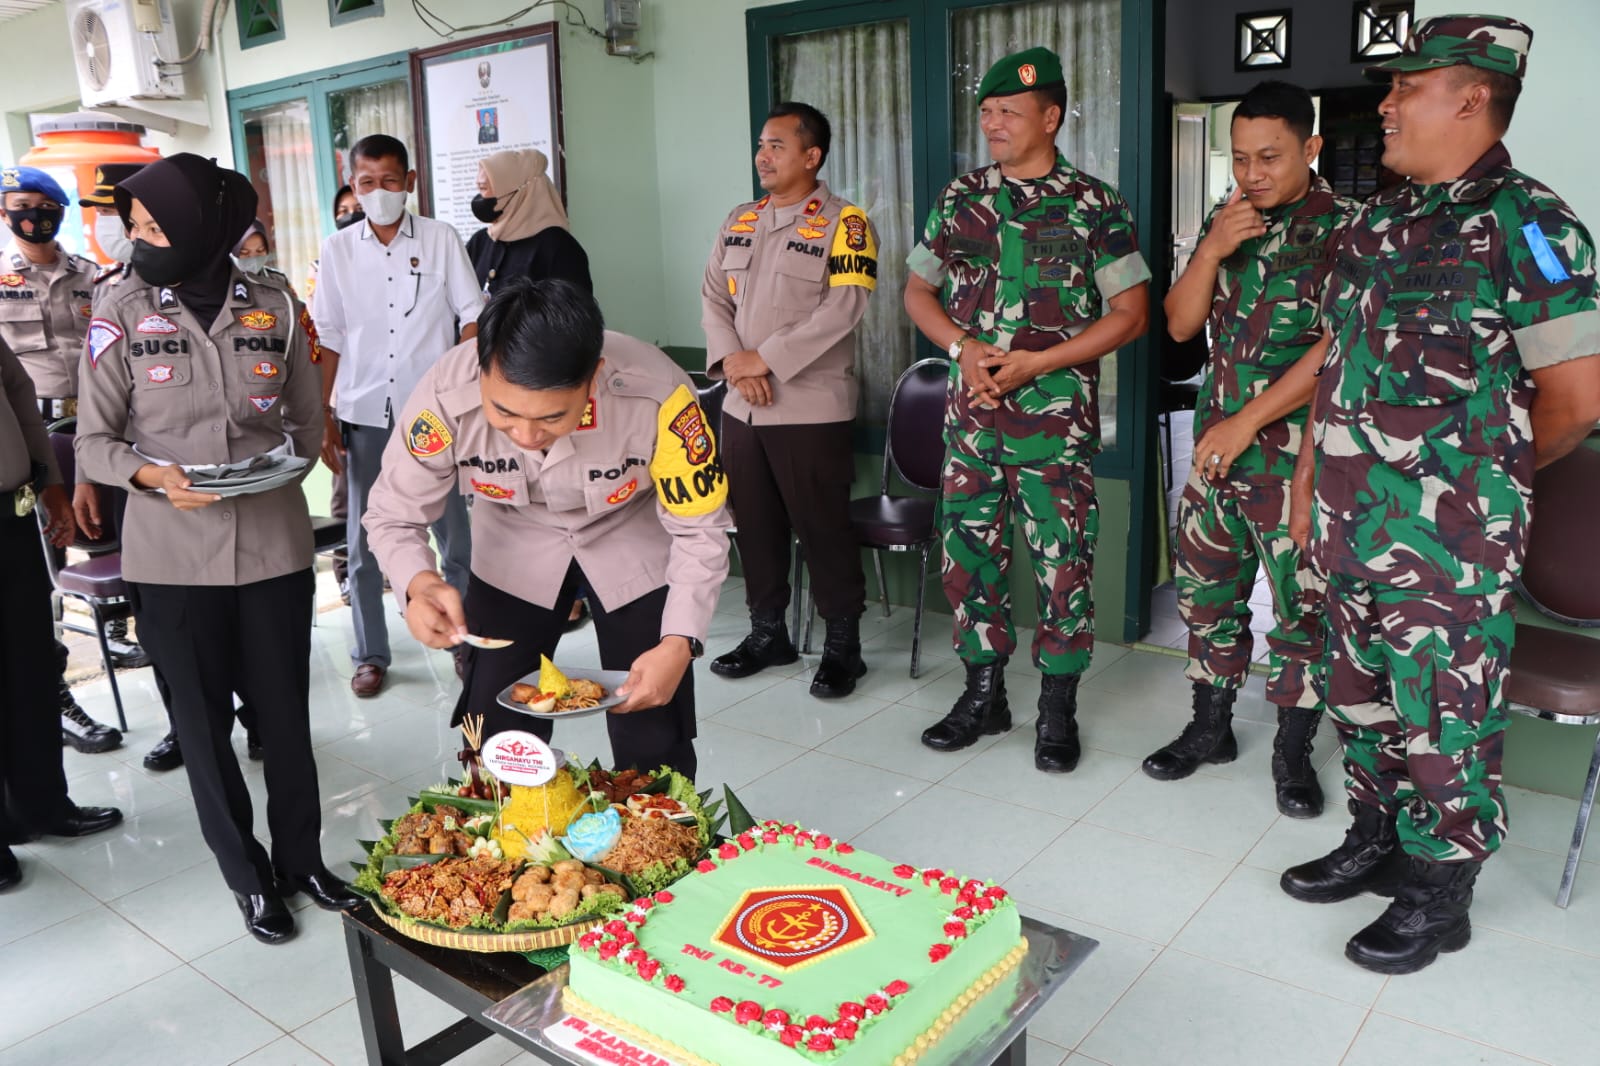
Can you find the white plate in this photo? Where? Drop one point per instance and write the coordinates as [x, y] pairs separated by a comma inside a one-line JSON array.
[[282, 473], [606, 679]]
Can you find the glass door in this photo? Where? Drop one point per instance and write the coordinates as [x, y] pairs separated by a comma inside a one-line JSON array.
[[383, 107], [860, 77], [278, 162]]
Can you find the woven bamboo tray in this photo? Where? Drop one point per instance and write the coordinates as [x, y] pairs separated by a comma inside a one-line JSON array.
[[475, 940]]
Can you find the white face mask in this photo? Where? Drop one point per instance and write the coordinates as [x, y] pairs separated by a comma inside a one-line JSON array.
[[112, 238], [383, 206], [252, 264]]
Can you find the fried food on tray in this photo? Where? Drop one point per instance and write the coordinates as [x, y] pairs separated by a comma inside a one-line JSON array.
[[618, 785], [432, 833], [450, 891], [521, 693], [646, 841], [545, 892]]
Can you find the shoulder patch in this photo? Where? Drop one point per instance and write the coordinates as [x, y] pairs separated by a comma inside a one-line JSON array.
[[102, 335], [686, 468], [428, 435], [853, 258]]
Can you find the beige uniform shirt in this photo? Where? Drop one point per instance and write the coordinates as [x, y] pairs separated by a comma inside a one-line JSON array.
[[636, 495], [791, 283], [23, 439], [153, 379], [44, 311]]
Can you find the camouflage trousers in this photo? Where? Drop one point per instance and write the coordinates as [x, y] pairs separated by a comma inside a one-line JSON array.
[[1055, 504], [1416, 686], [1227, 531]]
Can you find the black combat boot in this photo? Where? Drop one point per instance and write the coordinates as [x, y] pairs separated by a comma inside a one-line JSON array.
[[1428, 915], [125, 654], [980, 711], [1293, 776], [81, 731], [1207, 738], [841, 662], [1055, 745], [1365, 862], [767, 645]]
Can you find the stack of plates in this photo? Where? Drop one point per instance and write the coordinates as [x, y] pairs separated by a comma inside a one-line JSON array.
[[238, 479]]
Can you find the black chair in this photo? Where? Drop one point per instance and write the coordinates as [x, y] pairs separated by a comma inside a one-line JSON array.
[[711, 394], [96, 582], [1179, 390], [914, 452], [1555, 673]]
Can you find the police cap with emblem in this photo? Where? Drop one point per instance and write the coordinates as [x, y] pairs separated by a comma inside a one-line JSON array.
[[106, 177], [1492, 42], [32, 179], [1022, 72]]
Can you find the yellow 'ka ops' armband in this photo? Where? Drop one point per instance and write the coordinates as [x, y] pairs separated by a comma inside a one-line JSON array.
[[853, 259], [686, 467]]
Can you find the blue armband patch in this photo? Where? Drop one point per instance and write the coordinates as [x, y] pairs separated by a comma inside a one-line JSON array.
[[1549, 265]]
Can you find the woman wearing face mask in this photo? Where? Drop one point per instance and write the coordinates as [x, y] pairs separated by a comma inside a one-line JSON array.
[[194, 362], [527, 234]]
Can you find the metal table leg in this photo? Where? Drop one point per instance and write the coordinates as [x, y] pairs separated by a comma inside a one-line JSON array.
[[374, 986]]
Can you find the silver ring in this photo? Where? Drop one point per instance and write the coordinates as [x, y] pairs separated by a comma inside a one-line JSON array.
[[1215, 459]]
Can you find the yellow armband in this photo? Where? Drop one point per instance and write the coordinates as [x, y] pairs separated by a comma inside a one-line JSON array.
[[686, 468], [853, 259]]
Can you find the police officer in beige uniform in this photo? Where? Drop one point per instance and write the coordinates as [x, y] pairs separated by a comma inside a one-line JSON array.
[[194, 363], [787, 282], [30, 748], [589, 461], [45, 297]]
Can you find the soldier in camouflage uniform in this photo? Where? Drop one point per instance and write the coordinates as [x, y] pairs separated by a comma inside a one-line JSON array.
[[1462, 318], [1256, 277], [1010, 276]]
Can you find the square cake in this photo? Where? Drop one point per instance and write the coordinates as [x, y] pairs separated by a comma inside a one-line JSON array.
[[786, 946]]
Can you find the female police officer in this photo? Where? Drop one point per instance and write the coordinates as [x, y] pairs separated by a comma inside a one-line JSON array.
[[192, 362], [591, 461]]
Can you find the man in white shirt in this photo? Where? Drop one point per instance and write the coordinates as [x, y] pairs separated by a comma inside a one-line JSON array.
[[394, 293]]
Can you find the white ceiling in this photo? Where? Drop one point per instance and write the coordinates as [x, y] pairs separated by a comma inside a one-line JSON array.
[[10, 9]]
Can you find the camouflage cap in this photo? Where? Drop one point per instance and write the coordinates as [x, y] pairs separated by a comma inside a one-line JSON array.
[[1493, 42], [1022, 72]]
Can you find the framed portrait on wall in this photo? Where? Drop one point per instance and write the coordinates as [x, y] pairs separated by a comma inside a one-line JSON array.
[[479, 96]]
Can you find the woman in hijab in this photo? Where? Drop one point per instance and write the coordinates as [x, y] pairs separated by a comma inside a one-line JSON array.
[[527, 233], [194, 363]]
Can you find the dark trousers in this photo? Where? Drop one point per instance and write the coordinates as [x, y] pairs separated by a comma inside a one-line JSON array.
[[794, 479], [31, 777], [339, 508], [644, 739], [211, 641]]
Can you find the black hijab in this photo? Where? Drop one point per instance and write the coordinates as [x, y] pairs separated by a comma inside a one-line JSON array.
[[202, 209]]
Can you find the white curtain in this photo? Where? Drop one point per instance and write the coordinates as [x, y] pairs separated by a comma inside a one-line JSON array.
[[357, 113], [860, 77], [291, 185], [1087, 35]]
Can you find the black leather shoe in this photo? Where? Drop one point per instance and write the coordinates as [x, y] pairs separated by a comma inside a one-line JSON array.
[[841, 665], [1428, 916], [767, 645], [166, 755], [1294, 779], [981, 710], [1363, 863], [325, 890], [266, 916], [1055, 746], [81, 821], [1208, 737], [10, 869]]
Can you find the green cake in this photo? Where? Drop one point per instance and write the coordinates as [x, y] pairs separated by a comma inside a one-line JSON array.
[[787, 947]]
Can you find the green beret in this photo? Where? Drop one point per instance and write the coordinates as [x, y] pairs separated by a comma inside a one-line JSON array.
[[1022, 72], [1492, 42]]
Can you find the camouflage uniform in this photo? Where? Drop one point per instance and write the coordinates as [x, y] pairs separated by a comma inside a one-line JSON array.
[[1024, 265], [1442, 299], [1263, 319]]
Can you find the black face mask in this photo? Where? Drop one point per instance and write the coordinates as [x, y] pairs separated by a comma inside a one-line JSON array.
[[483, 209], [346, 221], [158, 266], [46, 223]]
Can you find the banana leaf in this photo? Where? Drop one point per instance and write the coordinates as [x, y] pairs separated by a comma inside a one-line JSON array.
[[467, 805], [739, 818], [367, 846], [391, 863]]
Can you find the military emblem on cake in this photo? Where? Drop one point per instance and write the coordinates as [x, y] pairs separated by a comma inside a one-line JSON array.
[[794, 926]]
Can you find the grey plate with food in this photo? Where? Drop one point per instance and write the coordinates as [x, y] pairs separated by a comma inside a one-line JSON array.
[[606, 679]]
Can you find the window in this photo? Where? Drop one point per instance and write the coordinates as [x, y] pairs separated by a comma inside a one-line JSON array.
[[1262, 40], [260, 22], [1379, 30], [342, 11]]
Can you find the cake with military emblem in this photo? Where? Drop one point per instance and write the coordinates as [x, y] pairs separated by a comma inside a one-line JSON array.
[[787, 947]]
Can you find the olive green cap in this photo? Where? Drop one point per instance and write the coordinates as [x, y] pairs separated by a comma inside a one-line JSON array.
[[1492, 42], [1022, 72]]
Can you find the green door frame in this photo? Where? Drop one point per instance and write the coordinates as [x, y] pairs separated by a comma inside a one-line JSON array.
[[314, 87], [1141, 179]]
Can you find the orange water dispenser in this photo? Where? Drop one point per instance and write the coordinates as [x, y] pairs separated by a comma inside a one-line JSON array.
[[70, 147]]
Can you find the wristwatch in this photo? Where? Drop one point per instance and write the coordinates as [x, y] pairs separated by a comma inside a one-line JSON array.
[[955, 346], [696, 648]]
